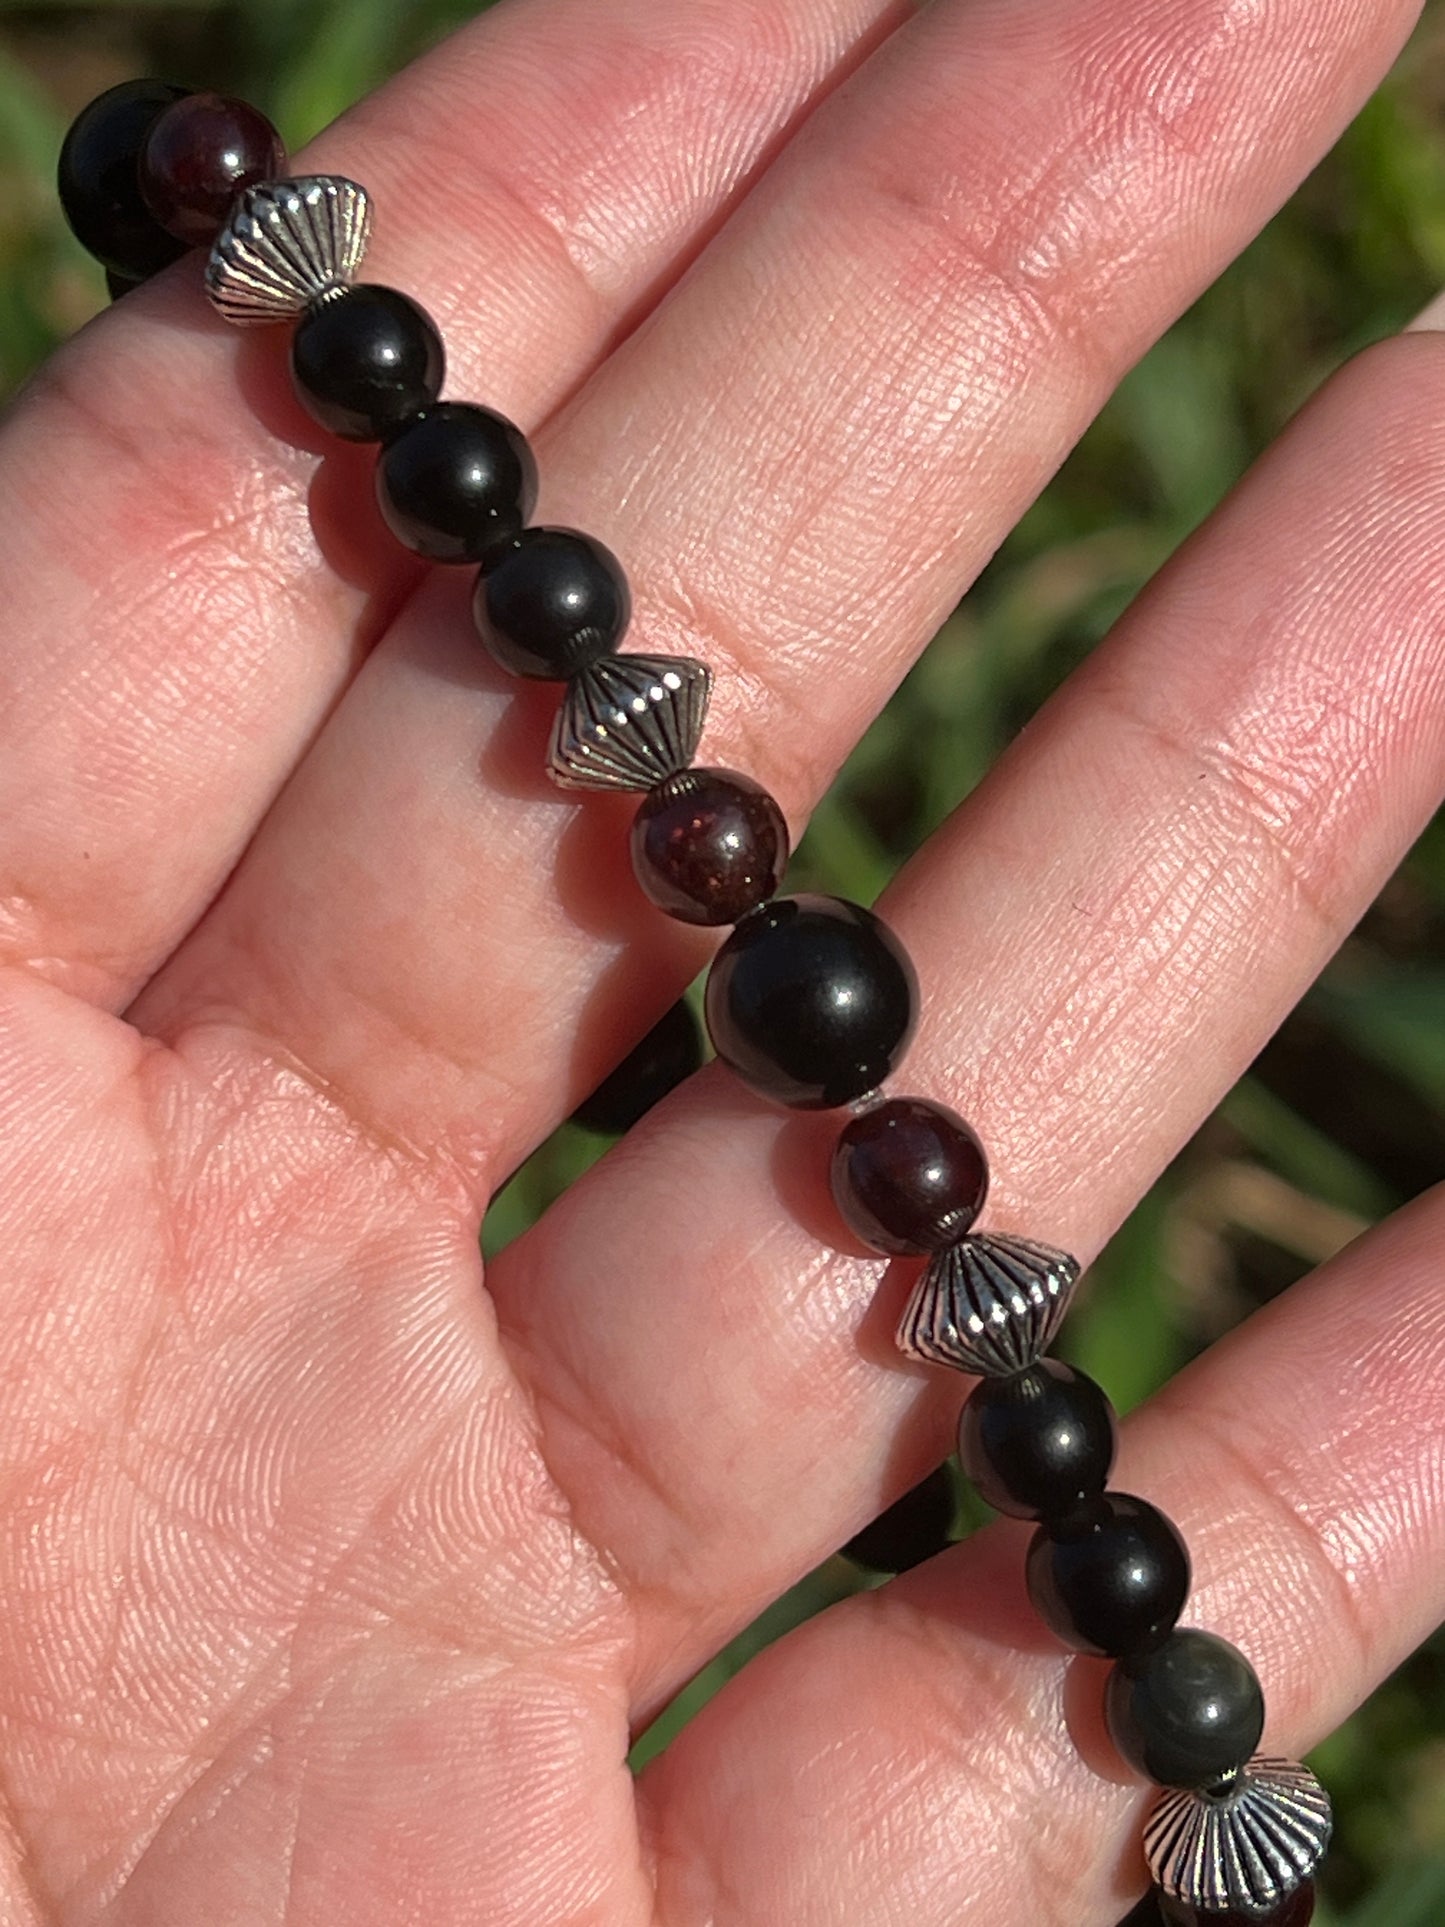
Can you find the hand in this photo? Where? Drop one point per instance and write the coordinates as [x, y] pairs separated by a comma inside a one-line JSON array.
[[333, 1583]]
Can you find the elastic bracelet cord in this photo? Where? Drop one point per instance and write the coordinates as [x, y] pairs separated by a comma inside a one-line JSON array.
[[811, 1000]]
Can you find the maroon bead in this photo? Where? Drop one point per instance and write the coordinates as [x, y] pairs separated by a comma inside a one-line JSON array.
[[1297, 1911], [709, 845], [199, 156], [909, 1176]]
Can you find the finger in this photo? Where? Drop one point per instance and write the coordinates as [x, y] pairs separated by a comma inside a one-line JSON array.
[[1107, 933], [187, 587], [963, 1775], [803, 457]]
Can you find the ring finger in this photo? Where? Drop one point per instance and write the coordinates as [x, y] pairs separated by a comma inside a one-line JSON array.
[[962, 1775], [1107, 932]]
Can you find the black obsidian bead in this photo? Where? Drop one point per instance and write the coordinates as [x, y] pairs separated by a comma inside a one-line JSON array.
[[709, 845], [1186, 1712], [670, 1052], [909, 1176], [1112, 1578], [1038, 1444], [912, 1529], [99, 179], [365, 360], [812, 1001], [551, 602], [456, 481], [1297, 1911], [198, 156]]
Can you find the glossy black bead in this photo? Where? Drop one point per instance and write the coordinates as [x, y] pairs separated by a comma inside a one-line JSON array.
[[909, 1176], [1038, 1444], [198, 156], [709, 845], [912, 1529], [99, 179], [1112, 1578], [671, 1051], [812, 1001], [551, 602], [456, 481], [1186, 1712], [365, 360]]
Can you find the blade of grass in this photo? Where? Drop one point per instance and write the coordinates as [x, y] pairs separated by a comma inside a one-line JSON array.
[[353, 48], [30, 126], [1395, 1015], [1300, 1152], [1412, 1896], [1124, 1333]]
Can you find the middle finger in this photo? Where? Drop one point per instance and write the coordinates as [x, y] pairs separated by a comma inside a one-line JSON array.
[[803, 457], [1109, 929]]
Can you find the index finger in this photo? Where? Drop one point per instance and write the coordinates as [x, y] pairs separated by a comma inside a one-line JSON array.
[[187, 589]]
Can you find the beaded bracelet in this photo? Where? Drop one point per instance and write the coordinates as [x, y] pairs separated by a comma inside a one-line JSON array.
[[811, 1000]]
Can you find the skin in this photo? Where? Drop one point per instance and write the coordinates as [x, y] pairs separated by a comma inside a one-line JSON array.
[[335, 1580]]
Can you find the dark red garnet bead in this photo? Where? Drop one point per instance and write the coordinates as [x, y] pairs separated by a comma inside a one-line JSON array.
[[909, 1176], [709, 845], [200, 154], [1297, 1911]]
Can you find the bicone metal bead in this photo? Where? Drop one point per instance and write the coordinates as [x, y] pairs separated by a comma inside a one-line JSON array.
[[629, 722], [1242, 1848], [285, 245], [989, 1304]]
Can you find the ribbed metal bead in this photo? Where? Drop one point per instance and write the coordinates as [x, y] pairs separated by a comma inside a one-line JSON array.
[[629, 722], [990, 1304], [286, 244], [1244, 1849]]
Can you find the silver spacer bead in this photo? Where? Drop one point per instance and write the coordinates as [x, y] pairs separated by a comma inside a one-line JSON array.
[[285, 245], [1243, 1848], [629, 722], [989, 1304]]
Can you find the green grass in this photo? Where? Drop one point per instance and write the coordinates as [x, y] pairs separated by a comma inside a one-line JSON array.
[[1344, 1115]]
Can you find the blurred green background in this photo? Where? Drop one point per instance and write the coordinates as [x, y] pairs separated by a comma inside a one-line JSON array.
[[1343, 1117]]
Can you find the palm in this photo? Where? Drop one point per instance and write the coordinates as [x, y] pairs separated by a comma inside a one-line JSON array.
[[254, 1592], [334, 1583]]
